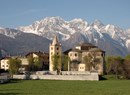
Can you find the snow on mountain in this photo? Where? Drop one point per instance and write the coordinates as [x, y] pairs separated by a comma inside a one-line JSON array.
[[113, 31], [110, 38], [78, 25], [49, 27], [9, 32], [127, 32], [97, 25], [94, 33]]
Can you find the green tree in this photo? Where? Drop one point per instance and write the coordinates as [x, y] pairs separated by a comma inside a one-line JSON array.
[[34, 63], [56, 59], [14, 65], [38, 63], [30, 61], [114, 65], [118, 66], [65, 60], [88, 63], [109, 62], [91, 61], [127, 66]]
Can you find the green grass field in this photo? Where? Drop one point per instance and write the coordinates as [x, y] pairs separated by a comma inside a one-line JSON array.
[[55, 87]]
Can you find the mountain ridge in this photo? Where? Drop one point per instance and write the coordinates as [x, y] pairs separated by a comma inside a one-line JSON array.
[[110, 38]]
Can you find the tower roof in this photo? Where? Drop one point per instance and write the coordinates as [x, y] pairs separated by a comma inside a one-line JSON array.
[[55, 41], [96, 50]]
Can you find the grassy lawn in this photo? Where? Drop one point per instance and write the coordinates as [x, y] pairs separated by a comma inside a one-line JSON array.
[[53, 87]]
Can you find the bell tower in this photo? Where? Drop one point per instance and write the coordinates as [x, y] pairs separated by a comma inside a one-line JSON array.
[[54, 49]]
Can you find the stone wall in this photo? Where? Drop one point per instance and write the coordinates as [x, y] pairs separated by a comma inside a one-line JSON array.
[[66, 77], [20, 77], [63, 72], [91, 76]]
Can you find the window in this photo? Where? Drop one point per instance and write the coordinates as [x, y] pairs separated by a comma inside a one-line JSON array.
[[75, 54], [6, 65], [3, 66], [57, 53], [51, 48], [81, 67], [57, 48], [70, 54], [51, 53]]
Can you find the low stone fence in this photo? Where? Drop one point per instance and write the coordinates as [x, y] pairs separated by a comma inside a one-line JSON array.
[[63, 72], [46, 73], [20, 77], [75, 76], [92, 76]]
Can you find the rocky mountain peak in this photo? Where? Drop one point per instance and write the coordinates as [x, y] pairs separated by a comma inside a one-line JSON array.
[[108, 37], [97, 23]]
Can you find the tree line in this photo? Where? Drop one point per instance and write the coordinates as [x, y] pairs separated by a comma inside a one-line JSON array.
[[119, 66]]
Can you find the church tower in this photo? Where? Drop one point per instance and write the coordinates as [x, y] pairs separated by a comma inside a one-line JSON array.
[[54, 48]]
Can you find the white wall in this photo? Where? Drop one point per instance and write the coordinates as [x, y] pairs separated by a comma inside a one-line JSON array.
[[81, 67], [24, 61], [4, 64]]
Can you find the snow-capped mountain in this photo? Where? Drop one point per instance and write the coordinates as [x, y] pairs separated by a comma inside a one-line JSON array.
[[96, 33], [51, 26], [21, 43], [110, 38], [9, 32]]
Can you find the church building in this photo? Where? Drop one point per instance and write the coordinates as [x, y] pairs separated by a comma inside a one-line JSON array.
[[83, 57], [54, 49]]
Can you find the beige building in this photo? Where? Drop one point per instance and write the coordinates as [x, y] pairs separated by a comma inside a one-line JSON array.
[[86, 57], [44, 56], [3, 63], [5, 66], [54, 49], [24, 61]]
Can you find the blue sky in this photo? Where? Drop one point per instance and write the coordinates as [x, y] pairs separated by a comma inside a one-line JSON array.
[[14, 13]]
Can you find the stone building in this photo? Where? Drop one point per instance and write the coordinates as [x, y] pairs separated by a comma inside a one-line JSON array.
[[44, 57], [5, 65], [86, 57], [54, 49]]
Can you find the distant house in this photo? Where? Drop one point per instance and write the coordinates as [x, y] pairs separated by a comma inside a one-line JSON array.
[[95, 58], [4, 63], [24, 63], [5, 66], [44, 56]]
